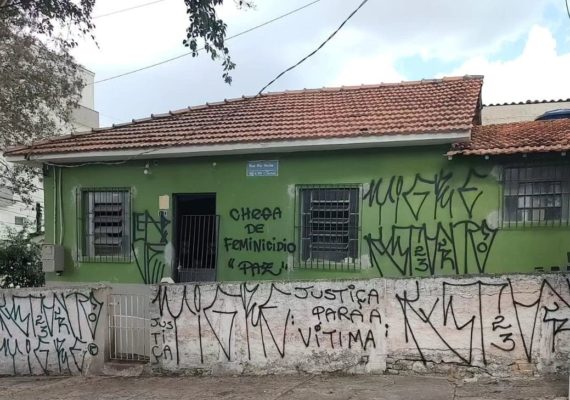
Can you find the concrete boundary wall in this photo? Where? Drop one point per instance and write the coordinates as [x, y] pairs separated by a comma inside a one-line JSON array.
[[53, 331], [500, 326]]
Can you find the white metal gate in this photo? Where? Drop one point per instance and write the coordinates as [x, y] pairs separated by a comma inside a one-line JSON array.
[[129, 327]]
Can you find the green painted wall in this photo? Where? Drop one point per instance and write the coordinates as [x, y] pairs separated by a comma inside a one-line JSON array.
[[440, 216]]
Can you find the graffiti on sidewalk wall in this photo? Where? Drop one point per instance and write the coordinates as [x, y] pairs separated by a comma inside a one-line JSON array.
[[50, 332], [412, 237], [337, 317], [499, 321], [474, 323]]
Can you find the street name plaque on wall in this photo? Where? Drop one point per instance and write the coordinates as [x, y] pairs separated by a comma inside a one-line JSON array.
[[263, 168]]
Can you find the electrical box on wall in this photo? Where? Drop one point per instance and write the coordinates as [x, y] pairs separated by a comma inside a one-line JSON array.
[[52, 258]]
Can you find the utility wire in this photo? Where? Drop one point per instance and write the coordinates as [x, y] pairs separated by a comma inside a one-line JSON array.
[[127, 9], [567, 8], [247, 99], [312, 53], [202, 48]]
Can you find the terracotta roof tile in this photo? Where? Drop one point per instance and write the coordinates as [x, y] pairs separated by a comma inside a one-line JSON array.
[[430, 106], [517, 137]]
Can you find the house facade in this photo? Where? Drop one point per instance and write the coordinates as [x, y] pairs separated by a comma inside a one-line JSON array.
[[391, 180]]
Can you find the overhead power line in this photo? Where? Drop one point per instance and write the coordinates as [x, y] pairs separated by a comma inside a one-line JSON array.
[[312, 53], [202, 48], [127, 9], [247, 99]]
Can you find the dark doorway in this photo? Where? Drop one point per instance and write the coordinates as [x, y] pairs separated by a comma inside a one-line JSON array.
[[196, 230]]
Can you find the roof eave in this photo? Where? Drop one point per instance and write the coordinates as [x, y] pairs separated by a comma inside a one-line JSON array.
[[506, 152], [421, 139]]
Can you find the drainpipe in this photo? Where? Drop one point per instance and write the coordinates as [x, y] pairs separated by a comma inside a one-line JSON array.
[[60, 208], [54, 204]]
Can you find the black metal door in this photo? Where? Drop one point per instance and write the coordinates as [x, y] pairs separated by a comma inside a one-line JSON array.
[[197, 250]]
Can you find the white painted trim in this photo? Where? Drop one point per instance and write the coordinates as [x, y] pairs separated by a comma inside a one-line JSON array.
[[359, 142]]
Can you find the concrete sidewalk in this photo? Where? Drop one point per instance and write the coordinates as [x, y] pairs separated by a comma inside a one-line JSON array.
[[328, 387]]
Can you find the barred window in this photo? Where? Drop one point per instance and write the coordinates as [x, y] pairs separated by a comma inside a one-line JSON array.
[[536, 195], [329, 226], [105, 225]]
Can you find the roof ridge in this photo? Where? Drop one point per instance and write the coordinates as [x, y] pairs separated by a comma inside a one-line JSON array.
[[381, 84], [523, 102], [523, 122]]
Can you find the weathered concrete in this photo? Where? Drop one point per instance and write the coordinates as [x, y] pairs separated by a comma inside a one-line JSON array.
[[504, 113], [493, 326], [52, 331], [297, 387]]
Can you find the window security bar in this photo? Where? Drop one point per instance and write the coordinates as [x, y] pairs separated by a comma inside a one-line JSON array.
[[103, 225], [329, 227], [535, 196]]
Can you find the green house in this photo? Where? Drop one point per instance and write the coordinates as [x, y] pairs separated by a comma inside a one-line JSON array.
[[394, 180]]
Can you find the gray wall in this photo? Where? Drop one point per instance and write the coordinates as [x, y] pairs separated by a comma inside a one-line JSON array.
[[505, 113], [498, 325], [53, 331]]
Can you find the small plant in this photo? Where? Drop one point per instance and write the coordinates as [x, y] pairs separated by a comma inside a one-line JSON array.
[[20, 261]]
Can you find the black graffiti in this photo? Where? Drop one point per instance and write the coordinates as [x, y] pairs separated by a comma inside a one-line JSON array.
[[252, 244], [267, 318], [463, 322], [414, 196], [349, 294], [255, 214], [191, 302], [504, 335], [456, 247], [340, 339], [151, 235], [255, 245], [254, 228], [507, 342], [330, 314], [255, 268], [428, 246], [469, 192], [39, 331], [161, 327]]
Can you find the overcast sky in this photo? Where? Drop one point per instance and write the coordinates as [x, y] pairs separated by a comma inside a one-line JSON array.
[[522, 47]]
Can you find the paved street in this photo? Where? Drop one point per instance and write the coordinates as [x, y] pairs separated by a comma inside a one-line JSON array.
[[278, 387]]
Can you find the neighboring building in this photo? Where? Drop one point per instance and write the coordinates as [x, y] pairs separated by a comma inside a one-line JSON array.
[[518, 112], [353, 182], [14, 213], [85, 117]]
